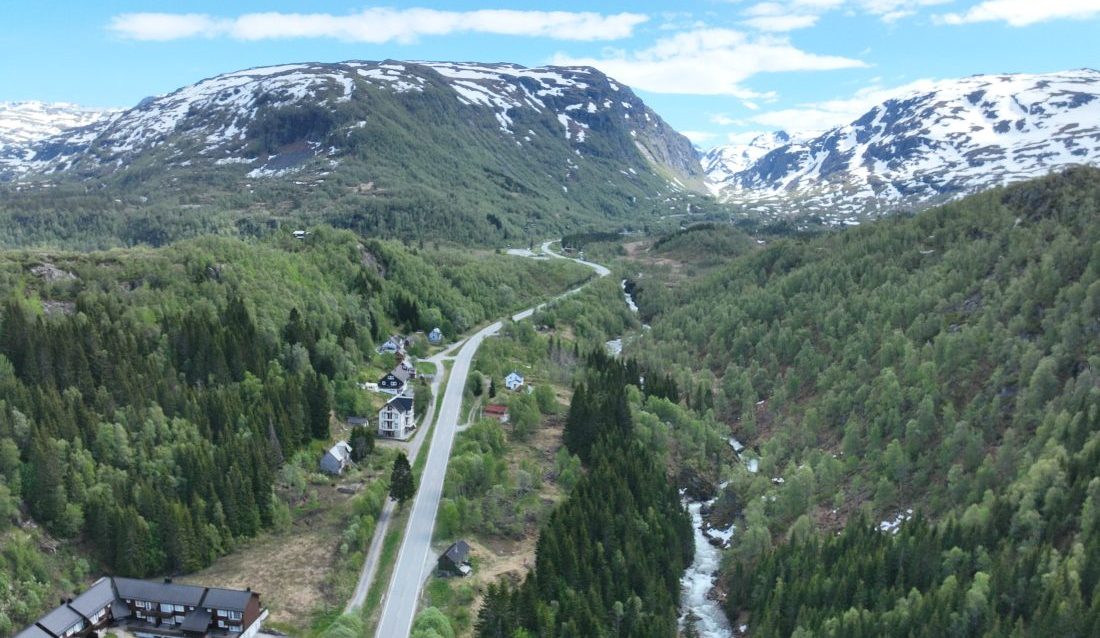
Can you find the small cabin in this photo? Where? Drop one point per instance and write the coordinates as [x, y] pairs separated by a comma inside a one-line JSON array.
[[498, 412], [514, 381], [455, 561], [435, 337], [337, 459]]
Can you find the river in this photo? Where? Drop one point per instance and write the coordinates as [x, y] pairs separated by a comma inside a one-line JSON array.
[[698, 580]]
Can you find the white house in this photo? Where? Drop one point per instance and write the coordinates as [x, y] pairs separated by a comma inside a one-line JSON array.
[[337, 459], [513, 381], [435, 336], [396, 419], [395, 345]]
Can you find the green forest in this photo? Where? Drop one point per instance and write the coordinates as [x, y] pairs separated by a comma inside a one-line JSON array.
[[149, 397], [602, 571], [942, 363]]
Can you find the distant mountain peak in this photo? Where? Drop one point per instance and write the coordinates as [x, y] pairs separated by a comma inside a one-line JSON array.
[[216, 119], [923, 148], [29, 121]]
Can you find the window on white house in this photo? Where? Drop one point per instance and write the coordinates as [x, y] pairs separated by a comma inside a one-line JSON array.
[[234, 615]]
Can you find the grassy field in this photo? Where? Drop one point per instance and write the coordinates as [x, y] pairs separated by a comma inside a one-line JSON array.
[[301, 573]]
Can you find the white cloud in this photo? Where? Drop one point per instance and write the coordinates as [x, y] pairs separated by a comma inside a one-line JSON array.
[[820, 116], [1021, 13], [781, 23], [378, 25], [743, 138], [708, 62], [722, 119], [789, 15], [697, 137]]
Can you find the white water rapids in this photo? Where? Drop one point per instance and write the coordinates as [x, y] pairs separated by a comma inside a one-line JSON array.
[[698, 580]]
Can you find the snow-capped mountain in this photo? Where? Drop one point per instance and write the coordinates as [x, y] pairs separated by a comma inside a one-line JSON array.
[[925, 148], [24, 122], [723, 162], [251, 117], [488, 152]]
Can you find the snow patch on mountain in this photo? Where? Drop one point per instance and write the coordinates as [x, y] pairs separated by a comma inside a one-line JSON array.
[[921, 149], [25, 122], [214, 121]]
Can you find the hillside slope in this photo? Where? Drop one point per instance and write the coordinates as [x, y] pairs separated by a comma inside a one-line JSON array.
[[22, 123], [470, 151], [921, 149], [941, 368]]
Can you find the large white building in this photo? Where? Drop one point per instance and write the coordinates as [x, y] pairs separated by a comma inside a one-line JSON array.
[[396, 419]]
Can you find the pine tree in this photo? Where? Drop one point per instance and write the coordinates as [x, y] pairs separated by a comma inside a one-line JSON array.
[[362, 443], [319, 398], [402, 485]]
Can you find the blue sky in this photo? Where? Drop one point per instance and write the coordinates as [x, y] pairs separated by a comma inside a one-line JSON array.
[[718, 70]]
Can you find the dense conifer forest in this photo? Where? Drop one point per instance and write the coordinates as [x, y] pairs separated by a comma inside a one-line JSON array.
[[609, 559], [148, 398]]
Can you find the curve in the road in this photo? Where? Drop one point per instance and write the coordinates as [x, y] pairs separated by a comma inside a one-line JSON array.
[[414, 559]]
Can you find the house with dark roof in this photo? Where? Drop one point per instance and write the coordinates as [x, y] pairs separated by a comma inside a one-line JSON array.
[[231, 610], [76, 617], [455, 561], [337, 459], [395, 381], [153, 610], [396, 419]]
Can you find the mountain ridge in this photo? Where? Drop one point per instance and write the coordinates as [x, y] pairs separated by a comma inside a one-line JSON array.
[[385, 147], [926, 147]]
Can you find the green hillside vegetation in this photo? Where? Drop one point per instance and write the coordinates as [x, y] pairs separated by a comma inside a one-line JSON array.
[[943, 363], [707, 242], [412, 165], [602, 571], [151, 396]]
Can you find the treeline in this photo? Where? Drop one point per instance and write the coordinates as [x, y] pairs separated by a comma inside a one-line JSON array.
[[602, 570], [943, 363], [1009, 566], [577, 241], [148, 398]]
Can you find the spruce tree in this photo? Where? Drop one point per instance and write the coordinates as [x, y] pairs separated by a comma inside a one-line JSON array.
[[402, 486]]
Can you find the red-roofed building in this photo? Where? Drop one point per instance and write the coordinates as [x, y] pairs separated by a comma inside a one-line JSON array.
[[498, 412]]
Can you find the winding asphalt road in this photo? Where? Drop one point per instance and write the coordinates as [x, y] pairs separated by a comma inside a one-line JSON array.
[[416, 559]]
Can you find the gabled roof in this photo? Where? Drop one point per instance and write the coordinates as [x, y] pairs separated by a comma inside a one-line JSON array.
[[358, 420], [134, 589], [341, 452], [400, 372], [60, 619], [98, 596], [197, 621], [514, 374], [119, 610], [401, 404], [458, 553], [34, 631], [228, 599]]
